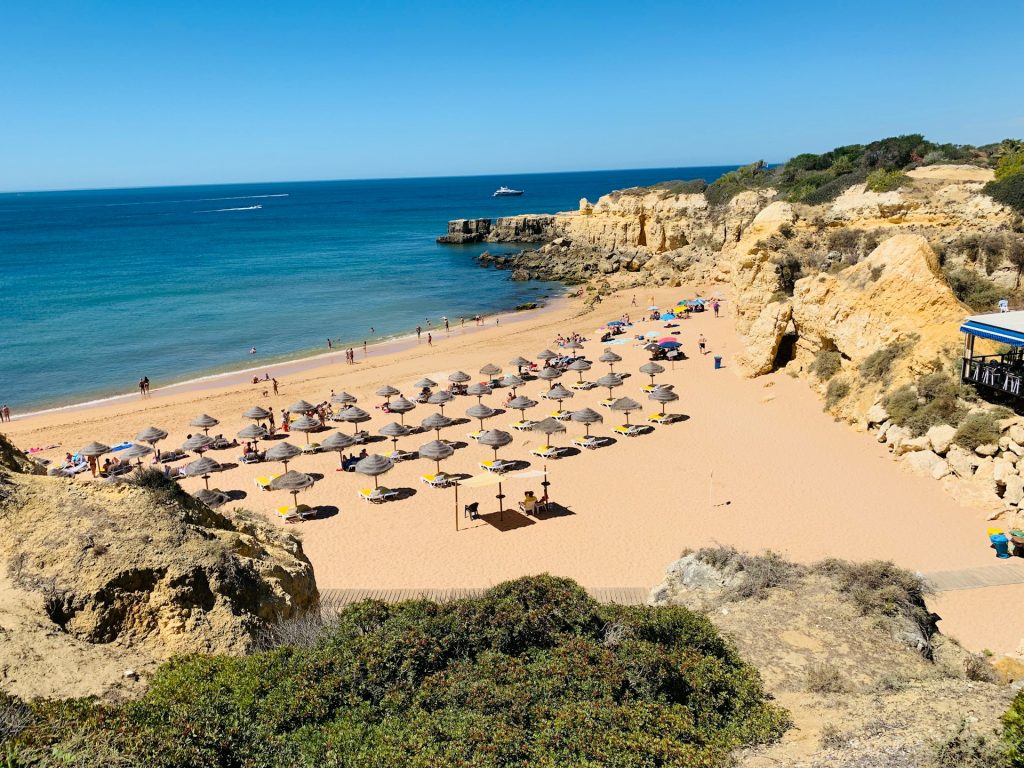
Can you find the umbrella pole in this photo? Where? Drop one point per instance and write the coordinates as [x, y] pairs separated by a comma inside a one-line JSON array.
[[501, 505], [545, 484], [456, 503], [207, 479]]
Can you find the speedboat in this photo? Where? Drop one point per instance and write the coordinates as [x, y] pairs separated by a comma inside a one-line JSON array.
[[506, 192]]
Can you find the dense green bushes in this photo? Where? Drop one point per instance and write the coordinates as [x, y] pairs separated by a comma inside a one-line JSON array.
[[534, 673], [883, 180], [933, 402], [974, 290], [827, 363], [879, 363], [1009, 191], [977, 429]]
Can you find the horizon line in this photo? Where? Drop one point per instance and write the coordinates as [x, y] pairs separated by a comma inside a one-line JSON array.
[[363, 179]]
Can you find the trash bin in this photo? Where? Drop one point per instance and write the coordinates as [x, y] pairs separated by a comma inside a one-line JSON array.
[[1001, 545], [718, 362]]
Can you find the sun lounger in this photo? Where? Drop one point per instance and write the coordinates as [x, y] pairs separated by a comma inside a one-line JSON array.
[[582, 385], [402, 455], [440, 480], [360, 436], [311, 448], [474, 435], [250, 458], [75, 470], [545, 452], [263, 483], [296, 514], [168, 456], [607, 402], [561, 415], [657, 418], [377, 495], [586, 442], [629, 430], [523, 426], [498, 465]]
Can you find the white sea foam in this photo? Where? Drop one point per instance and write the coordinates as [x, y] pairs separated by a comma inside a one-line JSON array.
[[196, 200], [221, 210]]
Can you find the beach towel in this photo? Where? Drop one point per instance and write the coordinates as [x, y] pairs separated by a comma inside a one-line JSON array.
[[120, 447]]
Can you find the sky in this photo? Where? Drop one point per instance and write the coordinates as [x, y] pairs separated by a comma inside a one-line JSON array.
[[114, 94]]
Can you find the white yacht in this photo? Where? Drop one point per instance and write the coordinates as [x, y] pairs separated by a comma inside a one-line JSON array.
[[506, 192]]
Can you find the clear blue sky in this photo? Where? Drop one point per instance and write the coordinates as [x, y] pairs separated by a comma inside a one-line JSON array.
[[99, 94]]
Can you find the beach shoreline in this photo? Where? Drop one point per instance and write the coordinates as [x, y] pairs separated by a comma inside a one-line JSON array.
[[293, 365]]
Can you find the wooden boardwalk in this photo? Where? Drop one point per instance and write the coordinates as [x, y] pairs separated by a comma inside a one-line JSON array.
[[339, 598], [999, 574]]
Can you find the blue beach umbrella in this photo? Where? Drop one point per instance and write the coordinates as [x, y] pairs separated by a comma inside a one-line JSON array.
[[669, 344]]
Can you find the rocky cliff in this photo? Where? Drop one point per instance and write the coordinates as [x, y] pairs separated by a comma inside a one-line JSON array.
[[101, 577]]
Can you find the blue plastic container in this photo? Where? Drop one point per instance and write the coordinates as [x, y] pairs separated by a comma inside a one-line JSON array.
[[1001, 544], [718, 362]]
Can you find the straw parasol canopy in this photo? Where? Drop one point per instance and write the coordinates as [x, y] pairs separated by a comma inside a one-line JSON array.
[[283, 452], [587, 416], [652, 369], [439, 398], [344, 398], [300, 406], [436, 422], [212, 499], [579, 365], [519, 363], [387, 392], [203, 468], [549, 427], [573, 345], [197, 443], [374, 466], [401, 406], [610, 381], [513, 382], [151, 435], [521, 403], [305, 424], [425, 383], [94, 449], [394, 430], [663, 396], [478, 390], [559, 393], [480, 411], [546, 355], [611, 358], [459, 377], [293, 482], [337, 441], [436, 451], [253, 432], [353, 415], [204, 422], [490, 370], [256, 414], [137, 451], [549, 374], [495, 438], [625, 404]]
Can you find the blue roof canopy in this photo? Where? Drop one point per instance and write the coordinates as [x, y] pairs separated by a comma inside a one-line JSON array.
[[1004, 327]]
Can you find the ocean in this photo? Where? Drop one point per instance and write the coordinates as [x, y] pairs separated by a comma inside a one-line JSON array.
[[102, 287]]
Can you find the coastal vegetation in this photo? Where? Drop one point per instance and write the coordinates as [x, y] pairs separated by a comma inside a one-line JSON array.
[[533, 673]]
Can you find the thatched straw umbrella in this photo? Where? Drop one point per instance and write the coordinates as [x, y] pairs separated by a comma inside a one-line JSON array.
[[519, 363], [579, 365], [574, 345], [204, 422], [625, 405], [374, 466], [559, 393], [652, 369], [305, 424], [609, 381], [401, 406], [490, 370], [203, 468], [337, 441], [394, 430], [436, 422], [478, 390], [300, 407], [255, 433], [611, 358], [387, 392], [137, 451], [283, 452], [481, 412], [520, 404], [549, 374], [353, 415], [94, 450], [257, 414], [425, 383], [549, 427], [293, 482], [212, 499], [513, 382], [546, 355], [495, 439], [663, 396], [436, 451], [439, 399], [586, 417], [459, 377], [197, 444], [344, 398], [151, 436]]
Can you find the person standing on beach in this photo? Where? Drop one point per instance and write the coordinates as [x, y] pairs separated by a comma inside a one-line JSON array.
[[145, 381], [702, 344], [142, 388], [446, 324], [714, 306], [419, 330], [364, 342], [430, 340], [270, 419], [3, 413], [330, 344], [273, 383]]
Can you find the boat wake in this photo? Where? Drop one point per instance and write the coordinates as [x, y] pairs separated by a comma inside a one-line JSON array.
[[199, 200], [222, 210]]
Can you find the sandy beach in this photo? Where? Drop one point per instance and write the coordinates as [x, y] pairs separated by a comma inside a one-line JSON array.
[[756, 464]]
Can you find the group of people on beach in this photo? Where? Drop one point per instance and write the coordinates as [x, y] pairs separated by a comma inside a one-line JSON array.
[[5, 413], [144, 386]]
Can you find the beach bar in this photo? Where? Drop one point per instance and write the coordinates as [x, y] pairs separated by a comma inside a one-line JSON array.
[[999, 374]]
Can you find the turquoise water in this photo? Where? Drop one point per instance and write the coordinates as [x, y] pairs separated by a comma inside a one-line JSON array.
[[103, 287]]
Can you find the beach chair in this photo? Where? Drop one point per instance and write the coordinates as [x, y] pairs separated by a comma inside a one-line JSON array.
[[440, 480], [657, 418], [250, 458], [607, 402], [474, 435], [263, 483], [586, 442], [498, 465], [629, 430], [545, 452], [522, 426], [311, 448], [561, 415], [377, 495], [360, 436], [169, 456], [401, 455], [297, 514], [582, 385]]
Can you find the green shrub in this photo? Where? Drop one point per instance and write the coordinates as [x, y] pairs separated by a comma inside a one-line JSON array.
[[532, 673], [1009, 191], [789, 270], [966, 749], [1013, 731], [973, 290], [1010, 164], [878, 365], [827, 363], [901, 404], [933, 402], [725, 188], [758, 573], [837, 390], [881, 180], [844, 240], [977, 429]]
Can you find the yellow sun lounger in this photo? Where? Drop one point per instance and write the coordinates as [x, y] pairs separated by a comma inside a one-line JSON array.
[[499, 465], [522, 426], [561, 415], [586, 442], [657, 418], [263, 483], [607, 402], [440, 480], [474, 435], [295, 514], [629, 430], [582, 385], [377, 495], [545, 452]]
